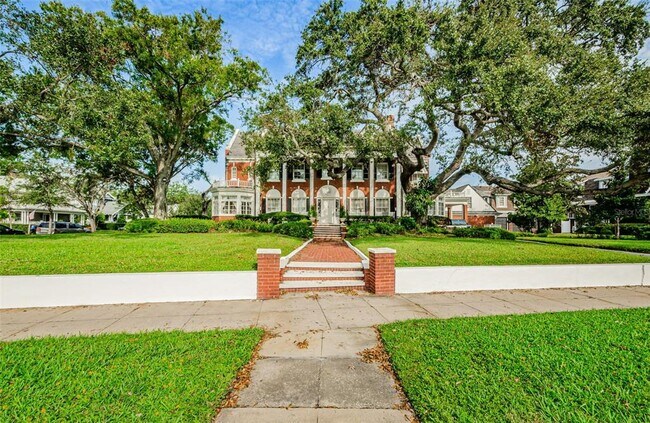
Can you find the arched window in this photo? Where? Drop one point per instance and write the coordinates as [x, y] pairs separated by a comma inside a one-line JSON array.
[[273, 199], [357, 203], [382, 203], [299, 202]]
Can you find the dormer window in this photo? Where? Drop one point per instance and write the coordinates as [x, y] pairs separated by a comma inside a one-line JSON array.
[[233, 172], [501, 201], [299, 173]]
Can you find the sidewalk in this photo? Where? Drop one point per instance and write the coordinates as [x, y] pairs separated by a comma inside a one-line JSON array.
[[311, 370]]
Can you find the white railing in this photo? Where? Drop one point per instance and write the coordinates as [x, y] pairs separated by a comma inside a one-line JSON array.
[[234, 183]]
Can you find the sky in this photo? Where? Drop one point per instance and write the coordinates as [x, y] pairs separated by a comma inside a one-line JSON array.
[[267, 31]]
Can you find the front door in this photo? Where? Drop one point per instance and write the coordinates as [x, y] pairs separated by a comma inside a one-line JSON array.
[[328, 211]]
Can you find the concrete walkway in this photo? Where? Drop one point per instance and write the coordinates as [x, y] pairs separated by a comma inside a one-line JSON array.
[[312, 370]]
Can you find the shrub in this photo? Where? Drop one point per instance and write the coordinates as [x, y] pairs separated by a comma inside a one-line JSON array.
[[408, 223], [192, 216], [280, 217], [369, 219], [360, 229], [142, 225], [113, 226], [300, 229], [491, 233], [185, 226]]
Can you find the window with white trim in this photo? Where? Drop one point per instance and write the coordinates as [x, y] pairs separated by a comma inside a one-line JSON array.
[[501, 201], [233, 172], [273, 199], [229, 205], [274, 175], [357, 203], [325, 174], [382, 171], [246, 205], [382, 203], [299, 202], [357, 174], [299, 173]]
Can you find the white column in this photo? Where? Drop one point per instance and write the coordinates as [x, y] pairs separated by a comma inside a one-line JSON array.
[[56, 217], [284, 188], [24, 217], [398, 189], [371, 176], [345, 191], [311, 187], [257, 198]]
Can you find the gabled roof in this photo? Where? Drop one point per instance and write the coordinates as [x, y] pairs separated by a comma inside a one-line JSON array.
[[236, 146]]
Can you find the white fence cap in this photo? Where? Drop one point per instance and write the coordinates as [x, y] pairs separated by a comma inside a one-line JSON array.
[[269, 251], [381, 250]]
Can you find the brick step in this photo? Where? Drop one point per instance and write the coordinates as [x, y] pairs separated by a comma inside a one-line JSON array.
[[323, 274], [324, 265], [320, 284]]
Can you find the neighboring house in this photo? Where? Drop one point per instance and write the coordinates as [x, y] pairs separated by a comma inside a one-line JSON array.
[[596, 182], [33, 213], [479, 205], [370, 188]]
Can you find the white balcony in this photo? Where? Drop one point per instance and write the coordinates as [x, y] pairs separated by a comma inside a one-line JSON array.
[[233, 183]]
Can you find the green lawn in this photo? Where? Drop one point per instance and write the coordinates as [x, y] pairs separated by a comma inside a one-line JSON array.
[[155, 376], [115, 252], [591, 366], [635, 245], [449, 251]]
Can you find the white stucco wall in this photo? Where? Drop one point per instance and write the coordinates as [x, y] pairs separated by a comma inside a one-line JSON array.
[[473, 278], [118, 288]]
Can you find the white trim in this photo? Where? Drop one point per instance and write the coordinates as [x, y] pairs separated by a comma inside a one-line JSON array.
[[125, 288], [365, 261], [285, 260], [479, 278]]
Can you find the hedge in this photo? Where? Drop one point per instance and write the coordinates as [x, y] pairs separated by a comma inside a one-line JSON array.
[[638, 230], [274, 218], [301, 229], [359, 229], [491, 233]]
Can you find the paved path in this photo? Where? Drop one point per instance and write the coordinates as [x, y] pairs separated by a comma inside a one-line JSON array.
[[311, 371]]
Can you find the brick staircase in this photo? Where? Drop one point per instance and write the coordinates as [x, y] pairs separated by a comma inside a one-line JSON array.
[[326, 264], [308, 276], [327, 233]]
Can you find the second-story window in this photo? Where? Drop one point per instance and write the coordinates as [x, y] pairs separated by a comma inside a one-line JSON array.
[[382, 171], [299, 173], [357, 174], [233, 172], [325, 174], [274, 175]]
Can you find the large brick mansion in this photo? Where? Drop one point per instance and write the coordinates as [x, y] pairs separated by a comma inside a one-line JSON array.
[[369, 189]]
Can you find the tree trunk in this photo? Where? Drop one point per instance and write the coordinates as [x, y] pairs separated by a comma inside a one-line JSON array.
[[50, 229], [160, 195], [93, 223]]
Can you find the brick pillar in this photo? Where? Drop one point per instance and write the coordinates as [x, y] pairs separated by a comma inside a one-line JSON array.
[[380, 276], [268, 273]]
